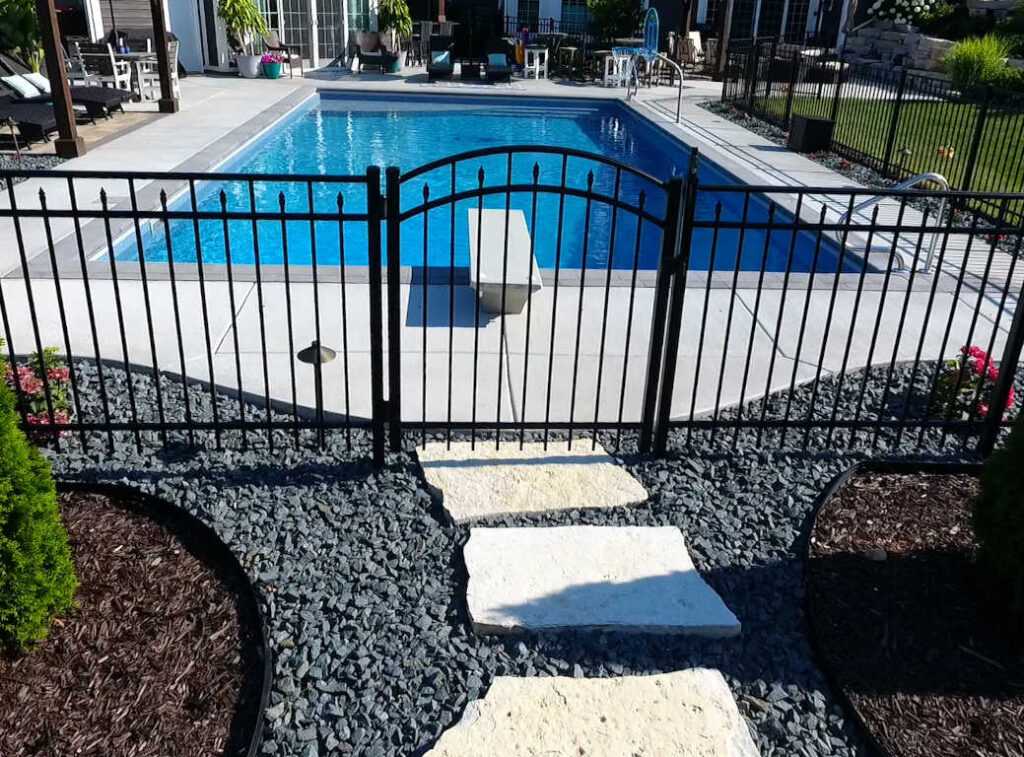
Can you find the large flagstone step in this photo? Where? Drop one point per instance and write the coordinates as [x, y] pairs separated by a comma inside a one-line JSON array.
[[482, 482], [688, 713], [637, 579]]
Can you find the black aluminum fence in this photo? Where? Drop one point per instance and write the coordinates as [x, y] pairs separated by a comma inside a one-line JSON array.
[[575, 30], [898, 123], [292, 308]]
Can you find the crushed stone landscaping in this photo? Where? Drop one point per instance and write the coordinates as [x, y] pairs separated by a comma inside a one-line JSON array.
[[362, 583]]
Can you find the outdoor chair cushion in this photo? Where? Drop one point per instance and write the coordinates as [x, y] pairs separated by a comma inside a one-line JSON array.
[[22, 86], [440, 56], [38, 81], [497, 59]]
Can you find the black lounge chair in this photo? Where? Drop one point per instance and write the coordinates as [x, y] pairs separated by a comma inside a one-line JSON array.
[[35, 121], [498, 69], [97, 101], [440, 65], [371, 52]]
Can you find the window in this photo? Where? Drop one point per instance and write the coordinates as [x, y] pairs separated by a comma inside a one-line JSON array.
[[529, 13]]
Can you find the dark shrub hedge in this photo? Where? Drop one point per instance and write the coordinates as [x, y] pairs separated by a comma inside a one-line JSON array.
[[37, 577]]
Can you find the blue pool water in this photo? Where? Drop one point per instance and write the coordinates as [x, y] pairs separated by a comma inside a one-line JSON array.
[[341, 135]]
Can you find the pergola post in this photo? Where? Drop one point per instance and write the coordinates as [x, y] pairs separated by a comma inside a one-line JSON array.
[[168, 102], [68, 144]]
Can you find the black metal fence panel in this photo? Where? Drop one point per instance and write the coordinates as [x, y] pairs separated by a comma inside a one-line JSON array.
[[503, 292], [898, 123]]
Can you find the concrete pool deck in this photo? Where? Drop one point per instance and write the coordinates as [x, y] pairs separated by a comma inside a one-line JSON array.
[[220, 115]]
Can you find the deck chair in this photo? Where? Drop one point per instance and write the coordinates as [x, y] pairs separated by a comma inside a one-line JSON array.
[[370, 51], [290, 55], [28, 87], [498, 69], [34, 121], [439, 63]]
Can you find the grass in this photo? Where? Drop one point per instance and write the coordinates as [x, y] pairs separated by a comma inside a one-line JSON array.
[[926, 132]]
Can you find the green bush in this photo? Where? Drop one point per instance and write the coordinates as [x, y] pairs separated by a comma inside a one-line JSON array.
[[999, 524], [37, 578], [978, 60], [954, 22]]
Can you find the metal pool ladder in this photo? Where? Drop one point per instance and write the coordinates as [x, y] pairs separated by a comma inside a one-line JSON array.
[[937, 178], [632, 90]]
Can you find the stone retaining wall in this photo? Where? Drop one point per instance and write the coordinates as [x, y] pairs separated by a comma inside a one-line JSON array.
[[890, 45]]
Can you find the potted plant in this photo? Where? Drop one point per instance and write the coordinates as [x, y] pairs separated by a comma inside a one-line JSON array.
[[393, 17], [272, 63], [244, 22]]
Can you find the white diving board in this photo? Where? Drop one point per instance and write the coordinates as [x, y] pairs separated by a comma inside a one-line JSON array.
[[489, 267]]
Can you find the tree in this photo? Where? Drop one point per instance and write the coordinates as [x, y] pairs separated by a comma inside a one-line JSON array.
[[393, 16], [37, 577], [615, 18], [999, 525], [19, 31], [243, 20]]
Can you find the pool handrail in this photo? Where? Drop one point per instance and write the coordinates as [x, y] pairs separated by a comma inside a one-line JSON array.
[[911, 182]]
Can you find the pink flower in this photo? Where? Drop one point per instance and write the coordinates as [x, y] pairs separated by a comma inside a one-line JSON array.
[[1010, 398], [982, 409], [28, 381], [60, 374], [992, 374]]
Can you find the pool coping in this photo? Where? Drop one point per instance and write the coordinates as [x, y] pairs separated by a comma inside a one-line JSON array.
[[67, 251]]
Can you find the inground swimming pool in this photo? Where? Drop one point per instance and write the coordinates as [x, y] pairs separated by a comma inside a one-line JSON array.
[[338, 134]]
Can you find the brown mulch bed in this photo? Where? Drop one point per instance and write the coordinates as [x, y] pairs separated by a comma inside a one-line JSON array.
[[156, 659], [901, 621]]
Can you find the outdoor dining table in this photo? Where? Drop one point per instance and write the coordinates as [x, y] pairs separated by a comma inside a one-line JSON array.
[[137, 61]]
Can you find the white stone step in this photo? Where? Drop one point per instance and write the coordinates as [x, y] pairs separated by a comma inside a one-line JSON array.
[[689, 713], [589, 577], [482, 482]]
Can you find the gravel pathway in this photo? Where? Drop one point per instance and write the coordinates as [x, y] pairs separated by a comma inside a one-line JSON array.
[[362, 579]]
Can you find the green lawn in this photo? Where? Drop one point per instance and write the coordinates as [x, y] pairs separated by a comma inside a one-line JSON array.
[[925, 127]]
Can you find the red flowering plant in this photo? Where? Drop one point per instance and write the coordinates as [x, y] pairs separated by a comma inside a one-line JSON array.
[[30, 391], [964, 390]]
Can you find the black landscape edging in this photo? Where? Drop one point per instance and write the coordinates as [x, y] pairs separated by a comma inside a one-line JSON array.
[[813, 630], [207, 546]]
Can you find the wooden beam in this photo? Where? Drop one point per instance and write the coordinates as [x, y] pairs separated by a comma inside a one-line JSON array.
[[68, 144], [168, 102]]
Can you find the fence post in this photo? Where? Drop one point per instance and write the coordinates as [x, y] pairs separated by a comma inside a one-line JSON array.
[[655, 355], [394, 310], [753, 66], [773, 52], [840, 78], [682, 268], [1007, 370], [972, 157], [890, 140], [373, 221], [797, 59]]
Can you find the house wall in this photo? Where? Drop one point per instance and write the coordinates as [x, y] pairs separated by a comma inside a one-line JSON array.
[[127, 14]]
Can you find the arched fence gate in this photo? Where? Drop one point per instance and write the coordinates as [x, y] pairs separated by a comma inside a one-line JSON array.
[[522, 292], [569, 255]]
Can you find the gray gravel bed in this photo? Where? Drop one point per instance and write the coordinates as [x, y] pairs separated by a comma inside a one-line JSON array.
[[362, 582], [10, 161]]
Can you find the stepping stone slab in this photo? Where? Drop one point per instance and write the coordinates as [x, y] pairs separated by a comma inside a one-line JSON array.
[[481, 482], [589, 577], [689, 713]]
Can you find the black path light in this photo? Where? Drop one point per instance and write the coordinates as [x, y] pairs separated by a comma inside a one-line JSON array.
[[318, 356]]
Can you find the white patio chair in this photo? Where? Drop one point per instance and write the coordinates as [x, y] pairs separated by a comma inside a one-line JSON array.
[[150, 76], [101, 67]]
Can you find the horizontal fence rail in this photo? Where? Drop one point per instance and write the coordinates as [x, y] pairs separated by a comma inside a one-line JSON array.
[[512, 294]]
